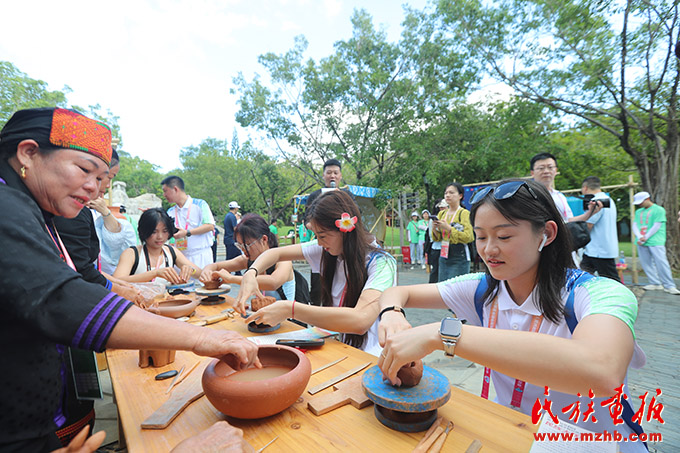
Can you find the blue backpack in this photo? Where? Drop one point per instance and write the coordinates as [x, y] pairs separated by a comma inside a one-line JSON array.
[[575, 277]]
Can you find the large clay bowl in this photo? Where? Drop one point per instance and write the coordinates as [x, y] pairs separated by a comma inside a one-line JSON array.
[[176, 308], [261, 398]]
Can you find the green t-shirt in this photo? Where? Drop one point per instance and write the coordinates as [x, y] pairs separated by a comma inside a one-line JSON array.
[[274, 230], [412, 228], [422, 225], [645, 218]]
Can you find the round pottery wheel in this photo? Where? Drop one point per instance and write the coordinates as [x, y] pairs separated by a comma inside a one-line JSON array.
[[258, 399], [176, 308], [409, 409]]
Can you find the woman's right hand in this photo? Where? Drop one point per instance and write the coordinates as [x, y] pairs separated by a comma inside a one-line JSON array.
[[229, 346], [391, 322], [207, 273], [169, 274], [247, 288]]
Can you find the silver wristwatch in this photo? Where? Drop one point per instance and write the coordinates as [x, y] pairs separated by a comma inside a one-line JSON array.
[[449, 331]]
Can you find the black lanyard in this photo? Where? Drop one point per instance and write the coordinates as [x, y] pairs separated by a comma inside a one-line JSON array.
[[148, 261]]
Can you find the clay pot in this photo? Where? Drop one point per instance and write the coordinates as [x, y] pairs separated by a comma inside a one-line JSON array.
[[411, 374], [176, 308], [155, 358], [258, 398], [260, 302], [212, 284]]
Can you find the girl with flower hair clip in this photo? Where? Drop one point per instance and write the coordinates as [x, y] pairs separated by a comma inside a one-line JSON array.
[[354, 273]]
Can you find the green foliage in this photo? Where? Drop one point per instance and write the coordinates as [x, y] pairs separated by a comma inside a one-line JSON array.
[[356, 103], [19, 91], [141, 176]]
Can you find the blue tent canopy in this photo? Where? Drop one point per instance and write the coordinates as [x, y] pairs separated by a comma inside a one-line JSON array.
[[357, 191]]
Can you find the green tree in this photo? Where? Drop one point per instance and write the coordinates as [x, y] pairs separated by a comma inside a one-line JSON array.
[[19, 91], [355, 103], [608, 64], [140, 176]]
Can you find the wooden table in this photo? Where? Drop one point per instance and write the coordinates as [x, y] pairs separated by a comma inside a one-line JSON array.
[[138, 395]]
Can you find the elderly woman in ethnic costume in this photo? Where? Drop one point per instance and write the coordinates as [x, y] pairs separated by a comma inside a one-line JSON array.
[[52, 162]]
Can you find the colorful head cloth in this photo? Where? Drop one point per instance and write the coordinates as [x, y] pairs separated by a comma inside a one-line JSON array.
[[58, 128]]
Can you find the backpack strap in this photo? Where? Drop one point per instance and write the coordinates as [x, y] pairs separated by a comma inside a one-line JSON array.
[[136, 263], [174, 255], [479, 301], [575, 277]]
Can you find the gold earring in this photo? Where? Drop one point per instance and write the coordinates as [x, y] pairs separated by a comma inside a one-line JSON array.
[[23, 172]]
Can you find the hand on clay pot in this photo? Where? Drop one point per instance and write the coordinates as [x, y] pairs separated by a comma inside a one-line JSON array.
[[220, 437], [407, 346], [169, 274], [225, 276], [272, 314], [82, 444], [207, 272], [219, 343]]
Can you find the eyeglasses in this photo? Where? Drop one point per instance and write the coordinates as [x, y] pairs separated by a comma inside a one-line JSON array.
[[545, 167], [502, 192], [244, 247]]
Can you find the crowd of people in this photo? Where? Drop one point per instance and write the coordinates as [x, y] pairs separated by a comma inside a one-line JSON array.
[[532, 318]]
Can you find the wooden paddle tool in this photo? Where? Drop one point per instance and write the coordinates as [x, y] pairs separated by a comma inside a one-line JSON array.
[[189, 391], [347, 392]]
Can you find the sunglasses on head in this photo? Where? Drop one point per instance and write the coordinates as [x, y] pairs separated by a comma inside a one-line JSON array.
[[502, 191]]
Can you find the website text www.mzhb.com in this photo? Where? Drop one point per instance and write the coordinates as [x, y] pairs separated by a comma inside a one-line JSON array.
[[598, 437]]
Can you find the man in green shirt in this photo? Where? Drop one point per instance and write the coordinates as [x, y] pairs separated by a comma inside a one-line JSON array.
[[649, 228]]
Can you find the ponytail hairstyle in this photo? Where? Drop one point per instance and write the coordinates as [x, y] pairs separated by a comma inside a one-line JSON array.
[[356, 246], [252, 227], [555, 258]]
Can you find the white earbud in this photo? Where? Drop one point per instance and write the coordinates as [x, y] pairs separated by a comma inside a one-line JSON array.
[[545, 239]]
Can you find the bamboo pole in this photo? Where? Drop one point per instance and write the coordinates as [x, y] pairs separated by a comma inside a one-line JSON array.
[[631, 194]]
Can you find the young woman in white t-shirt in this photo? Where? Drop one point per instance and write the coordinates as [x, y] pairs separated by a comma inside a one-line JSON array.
[[524, 337], [155, 260], [354, 273]]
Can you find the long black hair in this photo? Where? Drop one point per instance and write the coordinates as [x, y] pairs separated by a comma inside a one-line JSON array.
[[554, 259], [150, 219], [356, 245]]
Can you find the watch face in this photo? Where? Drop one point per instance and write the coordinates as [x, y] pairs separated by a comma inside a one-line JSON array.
[[450, 327]]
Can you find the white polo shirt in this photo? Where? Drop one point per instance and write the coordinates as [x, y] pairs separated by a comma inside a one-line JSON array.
[[382, 274], [598, 295]]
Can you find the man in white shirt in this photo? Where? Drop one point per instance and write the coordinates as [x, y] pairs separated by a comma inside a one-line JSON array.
[[601, 252], [194, 222]]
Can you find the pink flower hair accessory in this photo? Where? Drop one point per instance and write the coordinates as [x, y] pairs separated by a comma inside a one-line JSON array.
[[346, 223]]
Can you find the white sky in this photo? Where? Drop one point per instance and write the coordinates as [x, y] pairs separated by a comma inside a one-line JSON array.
[[165, 67]]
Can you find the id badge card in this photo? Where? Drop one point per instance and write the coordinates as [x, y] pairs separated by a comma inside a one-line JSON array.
[[181, 244], [445, 250]]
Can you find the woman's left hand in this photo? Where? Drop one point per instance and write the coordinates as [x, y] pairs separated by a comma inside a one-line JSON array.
[[405, 347], [272, 314], [186, 272], [229, 346]]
